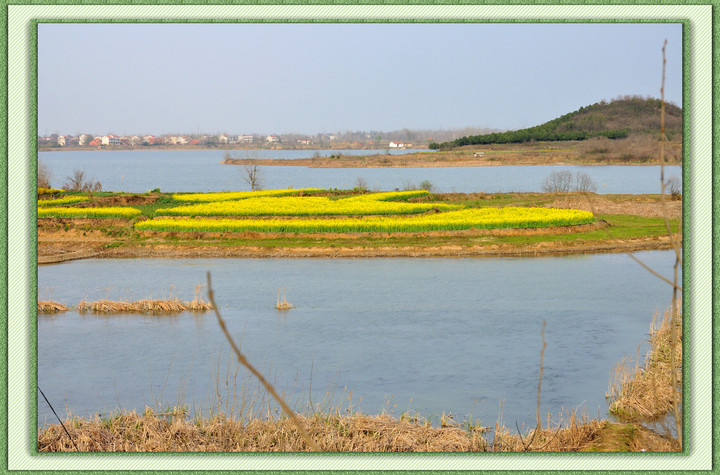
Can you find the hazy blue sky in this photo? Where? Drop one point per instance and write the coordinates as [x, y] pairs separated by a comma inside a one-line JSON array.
[[309, 78]]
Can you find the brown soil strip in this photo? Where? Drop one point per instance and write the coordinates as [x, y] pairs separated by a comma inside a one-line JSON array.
[[209, 250]]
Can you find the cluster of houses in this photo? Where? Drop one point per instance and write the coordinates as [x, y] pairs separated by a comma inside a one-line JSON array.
[[85, 140], [110, 140]]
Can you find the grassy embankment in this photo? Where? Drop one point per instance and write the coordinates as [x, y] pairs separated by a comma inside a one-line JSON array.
[[621, 222]]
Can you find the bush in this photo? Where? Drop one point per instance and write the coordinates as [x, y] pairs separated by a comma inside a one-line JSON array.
[[426, 185]]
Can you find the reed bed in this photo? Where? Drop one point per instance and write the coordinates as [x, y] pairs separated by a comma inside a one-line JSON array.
[[646, 392], [62, 201], [46, 306], [239, 195], [151, 432], [478, 218], [107, 212], [166, 306]]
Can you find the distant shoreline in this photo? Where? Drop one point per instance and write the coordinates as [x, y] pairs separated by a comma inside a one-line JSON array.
[[524, 154]]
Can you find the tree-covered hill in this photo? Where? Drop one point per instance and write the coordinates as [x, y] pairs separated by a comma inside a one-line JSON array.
[[616, 119]]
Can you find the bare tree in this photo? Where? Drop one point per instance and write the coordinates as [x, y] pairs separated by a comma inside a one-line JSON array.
[[583, 182], [79, 182], [252, 175], [361, 184], [44, 175], [563, 181], [674, 186], [558, 181]]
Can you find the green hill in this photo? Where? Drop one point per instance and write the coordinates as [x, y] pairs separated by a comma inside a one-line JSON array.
[[615, 120]]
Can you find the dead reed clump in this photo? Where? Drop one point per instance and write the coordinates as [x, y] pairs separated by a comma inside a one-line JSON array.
[[151, 432], [156, 307], [131, 432], [572, 432], [47, 306], [283, 304], [647, 392]]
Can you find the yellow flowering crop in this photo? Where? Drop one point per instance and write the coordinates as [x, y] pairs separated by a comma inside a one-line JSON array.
[[109, 212], [479, 218], [63, 201], [301, 206], [389, 195], [237, 195], [48, 191]]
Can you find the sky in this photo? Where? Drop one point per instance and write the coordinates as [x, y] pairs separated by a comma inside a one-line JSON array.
[[278, 78]]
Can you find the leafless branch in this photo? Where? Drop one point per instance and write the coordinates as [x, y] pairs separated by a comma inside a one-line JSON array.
[[270, 389]]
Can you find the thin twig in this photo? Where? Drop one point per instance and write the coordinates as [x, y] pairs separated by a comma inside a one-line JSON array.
[[542, 355], [58, 418], [678, 257], [270, 389]]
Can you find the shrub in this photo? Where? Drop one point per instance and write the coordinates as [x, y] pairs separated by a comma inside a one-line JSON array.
[[426, 185]]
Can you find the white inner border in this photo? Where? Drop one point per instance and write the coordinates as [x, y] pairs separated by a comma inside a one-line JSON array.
[[698, 254]]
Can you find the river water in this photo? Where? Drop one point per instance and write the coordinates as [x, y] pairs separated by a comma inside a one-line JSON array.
[[202, 171], [432, 336]]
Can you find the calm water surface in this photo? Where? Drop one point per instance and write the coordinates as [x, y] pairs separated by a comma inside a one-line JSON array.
[[201, 171], [439, 335]]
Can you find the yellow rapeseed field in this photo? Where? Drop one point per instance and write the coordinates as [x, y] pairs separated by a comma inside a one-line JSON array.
[[479, 218], [238, 195], [108, 212], [63, 201], [301, 206]]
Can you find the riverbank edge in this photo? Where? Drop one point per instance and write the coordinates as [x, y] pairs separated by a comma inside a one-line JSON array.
[[183, 251]]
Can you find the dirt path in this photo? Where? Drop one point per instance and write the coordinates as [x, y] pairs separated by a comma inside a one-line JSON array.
[[50, 252]]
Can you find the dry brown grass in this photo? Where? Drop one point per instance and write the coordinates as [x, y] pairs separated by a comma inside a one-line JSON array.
[[46, 306], [151, 432], [283, 304], [646, 393], [142, 306], [636, 148], [152, 306]]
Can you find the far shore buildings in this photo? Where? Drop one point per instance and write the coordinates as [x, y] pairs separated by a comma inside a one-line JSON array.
[[394, 144], [272, 139]]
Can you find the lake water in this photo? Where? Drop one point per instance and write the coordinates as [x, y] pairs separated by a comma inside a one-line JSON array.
[[202, 171], [453, 335]]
